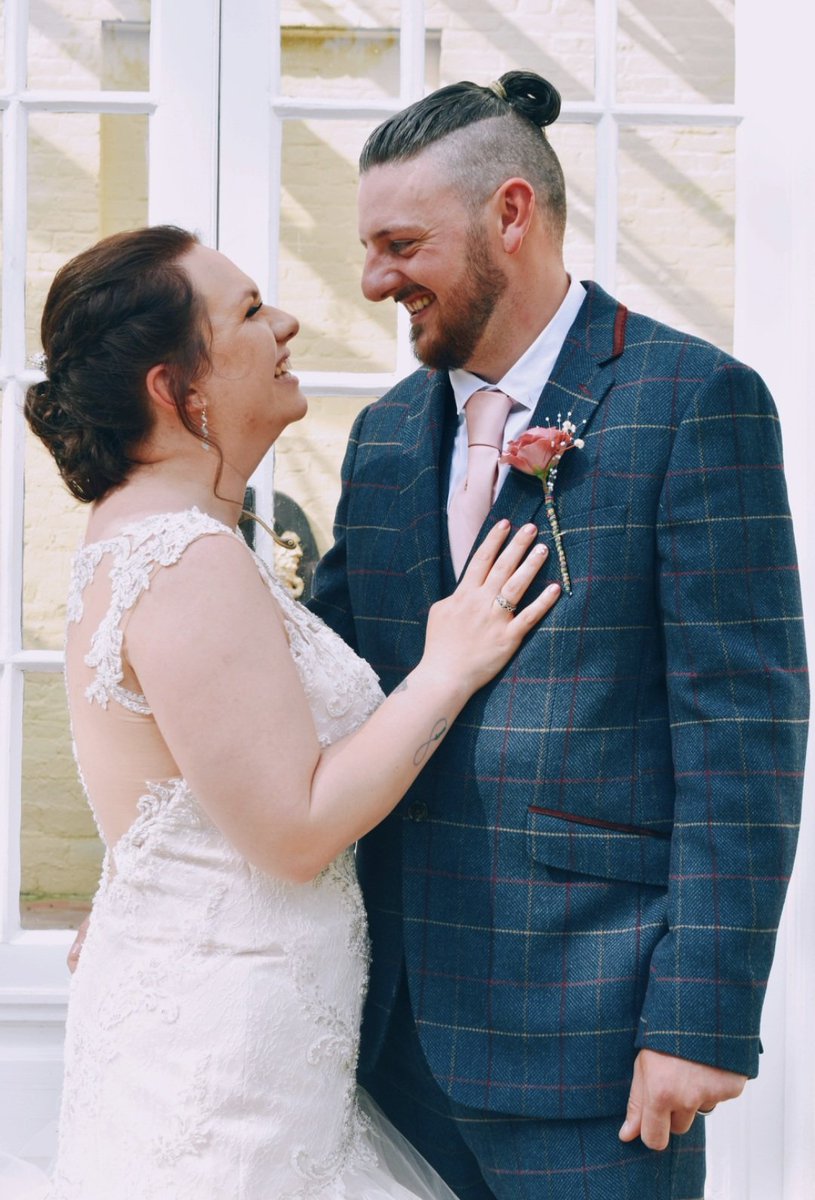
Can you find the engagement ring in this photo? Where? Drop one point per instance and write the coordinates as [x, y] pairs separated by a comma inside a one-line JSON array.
[[502, 602]]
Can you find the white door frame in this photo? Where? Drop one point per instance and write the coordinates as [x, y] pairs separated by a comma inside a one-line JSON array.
[[763, 1146]]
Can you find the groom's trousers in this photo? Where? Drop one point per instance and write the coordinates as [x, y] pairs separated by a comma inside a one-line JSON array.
[[491, 1156]]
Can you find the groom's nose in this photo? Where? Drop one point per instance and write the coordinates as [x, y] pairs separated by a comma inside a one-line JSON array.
[[379, 278]]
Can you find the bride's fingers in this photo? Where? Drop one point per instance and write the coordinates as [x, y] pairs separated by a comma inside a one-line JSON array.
[[514, 570], [495, 568], [528, 617], [513, 585], [482, 560]]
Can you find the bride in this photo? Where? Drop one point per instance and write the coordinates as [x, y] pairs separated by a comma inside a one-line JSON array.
[[232, 749]]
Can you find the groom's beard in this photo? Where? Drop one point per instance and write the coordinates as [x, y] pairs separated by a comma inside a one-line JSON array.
[[462, 323]]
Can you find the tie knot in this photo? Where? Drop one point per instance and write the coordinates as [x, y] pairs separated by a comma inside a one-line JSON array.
[[486, 413]]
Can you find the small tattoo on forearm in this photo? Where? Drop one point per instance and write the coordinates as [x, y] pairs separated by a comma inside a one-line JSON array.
[[436, 734]]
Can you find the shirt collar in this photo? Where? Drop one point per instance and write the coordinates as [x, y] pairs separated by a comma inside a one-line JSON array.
[[526, 378]]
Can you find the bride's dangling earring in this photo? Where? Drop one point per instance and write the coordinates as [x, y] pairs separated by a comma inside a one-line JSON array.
[[204, 427]]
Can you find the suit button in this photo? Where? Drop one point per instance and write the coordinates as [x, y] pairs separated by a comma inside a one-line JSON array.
[[418, 811]]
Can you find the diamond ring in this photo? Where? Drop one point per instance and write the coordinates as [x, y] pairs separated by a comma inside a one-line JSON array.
[[502, 602]]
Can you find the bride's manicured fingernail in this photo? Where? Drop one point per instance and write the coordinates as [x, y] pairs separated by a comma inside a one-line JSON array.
[[540, 549], [529, 529]]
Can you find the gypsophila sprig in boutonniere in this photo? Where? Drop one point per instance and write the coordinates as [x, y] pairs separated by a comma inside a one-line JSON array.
[[538, 452]]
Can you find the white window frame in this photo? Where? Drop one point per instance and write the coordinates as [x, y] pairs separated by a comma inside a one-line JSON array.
[[182, 107], [764, 1145]]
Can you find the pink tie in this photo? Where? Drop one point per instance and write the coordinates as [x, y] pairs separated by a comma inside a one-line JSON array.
[[486, 413]]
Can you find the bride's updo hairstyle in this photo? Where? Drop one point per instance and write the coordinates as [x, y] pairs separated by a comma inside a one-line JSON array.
[[113, 312], [490, 134]]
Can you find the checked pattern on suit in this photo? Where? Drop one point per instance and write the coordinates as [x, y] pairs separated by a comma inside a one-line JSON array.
[[596, 858]]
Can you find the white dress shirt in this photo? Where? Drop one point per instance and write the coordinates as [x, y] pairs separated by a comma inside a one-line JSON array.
[[523, 382]]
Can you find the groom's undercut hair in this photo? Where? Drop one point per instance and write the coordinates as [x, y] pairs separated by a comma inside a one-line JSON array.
[[489, 135]]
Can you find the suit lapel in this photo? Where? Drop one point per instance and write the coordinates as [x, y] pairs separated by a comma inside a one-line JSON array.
[[580, 380], [419, 486]]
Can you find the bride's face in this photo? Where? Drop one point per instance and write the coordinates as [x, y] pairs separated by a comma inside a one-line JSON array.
[[250, 392]]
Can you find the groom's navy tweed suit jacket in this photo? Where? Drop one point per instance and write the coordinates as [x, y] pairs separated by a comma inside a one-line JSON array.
[[596, 858]]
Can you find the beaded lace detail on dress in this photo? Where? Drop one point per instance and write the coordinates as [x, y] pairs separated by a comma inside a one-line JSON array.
[[214, 1018]]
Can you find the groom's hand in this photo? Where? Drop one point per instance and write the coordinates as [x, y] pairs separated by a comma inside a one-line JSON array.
[[667, 1093]]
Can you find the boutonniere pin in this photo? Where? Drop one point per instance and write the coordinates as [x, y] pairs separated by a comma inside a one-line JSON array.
[[538, 452]]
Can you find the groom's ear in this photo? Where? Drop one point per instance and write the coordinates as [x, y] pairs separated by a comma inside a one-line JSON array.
[[514, 203]]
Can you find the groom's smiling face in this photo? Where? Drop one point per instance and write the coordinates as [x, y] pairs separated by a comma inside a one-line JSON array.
[[425, 249]]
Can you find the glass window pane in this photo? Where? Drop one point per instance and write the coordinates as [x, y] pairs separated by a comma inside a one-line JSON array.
[[575, 147], [97, 44], [308, 457], [346, 64], [320, 255], [484, 38], [328, 51], [54, 525], [675, 53], [677, 192], [338, 14], [87, 177], [60, 850]]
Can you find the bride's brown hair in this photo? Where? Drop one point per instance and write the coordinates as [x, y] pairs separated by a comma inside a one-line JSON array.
[[113, 312]]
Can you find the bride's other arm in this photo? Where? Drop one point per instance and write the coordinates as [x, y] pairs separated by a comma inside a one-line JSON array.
[[209, 647]]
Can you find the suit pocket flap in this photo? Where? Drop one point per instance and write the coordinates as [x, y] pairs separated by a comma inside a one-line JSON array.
[[605, 849], [594, 520]]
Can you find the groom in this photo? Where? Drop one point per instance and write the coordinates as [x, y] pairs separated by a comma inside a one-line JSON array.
[[573, 912]]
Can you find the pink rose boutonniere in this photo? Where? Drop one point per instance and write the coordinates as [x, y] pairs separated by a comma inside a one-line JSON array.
[[538, 452]]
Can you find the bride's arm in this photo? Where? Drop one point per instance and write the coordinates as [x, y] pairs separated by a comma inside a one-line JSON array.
[[209, 648]]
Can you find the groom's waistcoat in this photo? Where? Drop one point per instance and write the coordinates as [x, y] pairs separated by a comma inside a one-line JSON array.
[[596, 857]]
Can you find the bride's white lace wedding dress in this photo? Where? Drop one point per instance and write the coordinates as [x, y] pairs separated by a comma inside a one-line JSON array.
[[214, 1016]]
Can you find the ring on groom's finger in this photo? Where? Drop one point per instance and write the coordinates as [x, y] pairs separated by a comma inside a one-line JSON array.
[[502, 602]]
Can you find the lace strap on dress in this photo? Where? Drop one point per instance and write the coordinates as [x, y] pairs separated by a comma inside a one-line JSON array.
[[137, 552]]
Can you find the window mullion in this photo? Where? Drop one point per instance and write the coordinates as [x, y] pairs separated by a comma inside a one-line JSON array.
[[412, 35], [11, 725], [14, 196], [607, 145]]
